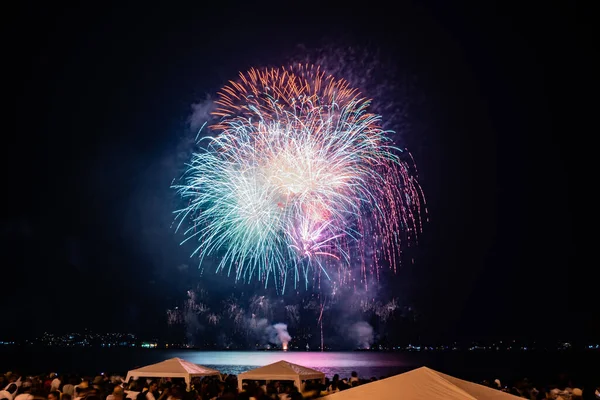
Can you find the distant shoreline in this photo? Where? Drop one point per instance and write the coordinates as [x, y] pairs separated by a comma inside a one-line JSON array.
[[400, 350]]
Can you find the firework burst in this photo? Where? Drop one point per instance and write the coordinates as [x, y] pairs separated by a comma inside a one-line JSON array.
[[298, 179]]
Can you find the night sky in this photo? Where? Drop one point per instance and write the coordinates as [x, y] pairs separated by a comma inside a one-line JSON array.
[[102, 99]]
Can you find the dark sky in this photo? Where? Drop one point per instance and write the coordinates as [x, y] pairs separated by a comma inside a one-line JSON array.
[[102, 96]]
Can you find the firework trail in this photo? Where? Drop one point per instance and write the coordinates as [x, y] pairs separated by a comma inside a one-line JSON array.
[[320, 321], [385, 311], [260, 306], [234, 312], [292, 313], [297, 180], [174, 316], [213, 318]]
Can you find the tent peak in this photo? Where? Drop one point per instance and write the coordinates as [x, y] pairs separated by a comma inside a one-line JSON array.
[[281, 370], [422, 383], [173, 367], [424, 368]]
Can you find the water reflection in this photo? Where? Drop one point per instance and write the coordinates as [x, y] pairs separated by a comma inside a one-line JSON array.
[[365, 363]]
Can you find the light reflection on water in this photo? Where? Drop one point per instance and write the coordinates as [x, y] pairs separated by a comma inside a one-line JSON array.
[[367, 364], [312, 359]]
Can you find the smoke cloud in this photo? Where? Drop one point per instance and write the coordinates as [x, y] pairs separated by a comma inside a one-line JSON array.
[[258, 327], [200, 113], [278, 334], [266, 333], [362, 334]]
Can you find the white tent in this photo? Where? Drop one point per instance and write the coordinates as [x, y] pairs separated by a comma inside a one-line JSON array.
[[172, 368], [421, 384], [281, 371]]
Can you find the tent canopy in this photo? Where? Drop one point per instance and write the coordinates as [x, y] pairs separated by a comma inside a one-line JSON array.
[[421, 384], [172, 368], [281, 371]]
